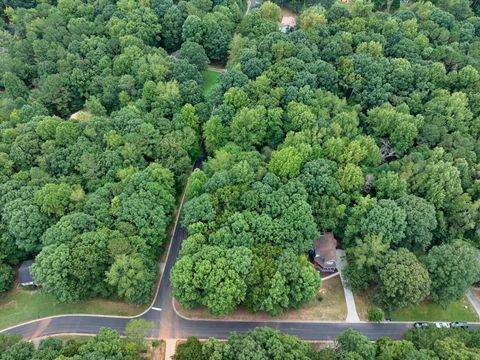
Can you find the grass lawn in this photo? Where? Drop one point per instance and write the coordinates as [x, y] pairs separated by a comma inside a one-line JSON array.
[[22, 305], [429, 311], [331, 307], [363, 304], [425, 311], [210, 78]]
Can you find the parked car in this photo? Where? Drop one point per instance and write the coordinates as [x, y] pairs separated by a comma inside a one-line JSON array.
[[442, 325], [459, 324], [419, 325]]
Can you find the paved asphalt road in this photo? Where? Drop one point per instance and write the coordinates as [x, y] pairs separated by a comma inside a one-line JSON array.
[[168, 324]]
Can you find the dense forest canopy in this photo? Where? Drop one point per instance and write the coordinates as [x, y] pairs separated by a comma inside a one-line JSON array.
[[357, 121], [105, 345], [362, 120], [99, 128], [269, 344], [259, 344]]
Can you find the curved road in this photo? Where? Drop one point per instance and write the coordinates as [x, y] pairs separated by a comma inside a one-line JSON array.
[[168, 324]]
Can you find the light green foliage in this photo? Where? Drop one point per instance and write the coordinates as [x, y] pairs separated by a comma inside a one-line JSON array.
[[207, 278], [351, 341], [395, 123], [136, 331], [369, 250], [312, 18], [288, 346], [133, 278], [358, 122], [275, 287], [376, 314], [286, 162], [390, 349], [271, 11], [390, 185], [54, 199], [350, 177], [248, 128]]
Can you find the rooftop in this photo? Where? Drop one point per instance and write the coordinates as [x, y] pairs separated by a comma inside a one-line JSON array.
[[325, 248], [24, 275]]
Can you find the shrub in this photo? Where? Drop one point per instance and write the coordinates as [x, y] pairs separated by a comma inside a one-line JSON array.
[[376, 314], [6, 278]]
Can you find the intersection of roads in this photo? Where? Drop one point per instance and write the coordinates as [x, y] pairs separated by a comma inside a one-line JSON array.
[[169, 324]]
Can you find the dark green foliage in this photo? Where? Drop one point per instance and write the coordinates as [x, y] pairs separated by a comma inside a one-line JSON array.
[[19, 351], [190, 350], [453, 269], [241, 211], [6, 278], [264, 343], [350, 108], [421, 222], [99, 128], [403, 280], [194, 54], [358, 122]]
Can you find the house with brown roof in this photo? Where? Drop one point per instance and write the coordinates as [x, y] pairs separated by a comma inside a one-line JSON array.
[[324, 254]]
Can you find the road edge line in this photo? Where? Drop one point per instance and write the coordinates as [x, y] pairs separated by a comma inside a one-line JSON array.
[[156, 291]]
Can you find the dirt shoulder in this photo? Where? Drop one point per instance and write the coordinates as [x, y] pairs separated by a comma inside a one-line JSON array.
[[329, 304]]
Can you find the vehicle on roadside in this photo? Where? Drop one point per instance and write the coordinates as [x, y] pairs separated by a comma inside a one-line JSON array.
[[442, 325], [419, 325], [459, 324]]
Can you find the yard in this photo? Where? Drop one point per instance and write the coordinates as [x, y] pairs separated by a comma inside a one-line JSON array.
[[210, 78], [332, 306], [22, 305], [425, 311]]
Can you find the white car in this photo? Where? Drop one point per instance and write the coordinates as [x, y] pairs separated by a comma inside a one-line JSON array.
[[442, 325]]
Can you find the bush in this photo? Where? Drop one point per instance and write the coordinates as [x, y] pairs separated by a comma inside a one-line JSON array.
[[376, 314], [6, 278]]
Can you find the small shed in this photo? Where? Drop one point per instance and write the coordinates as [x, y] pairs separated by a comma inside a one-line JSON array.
[[323, 253], [24, 276]]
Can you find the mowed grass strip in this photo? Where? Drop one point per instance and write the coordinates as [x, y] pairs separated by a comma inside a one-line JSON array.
[[20, 306], [210, 78], [460, 310]]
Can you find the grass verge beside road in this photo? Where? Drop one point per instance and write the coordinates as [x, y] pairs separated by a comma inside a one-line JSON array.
[[331, 307], [210, 78], [460, 310], [20, 306]]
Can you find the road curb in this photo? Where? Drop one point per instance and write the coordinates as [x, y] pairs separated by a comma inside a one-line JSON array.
[[119, 316]]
